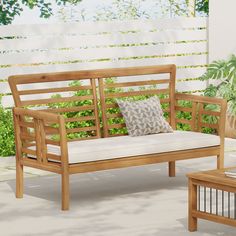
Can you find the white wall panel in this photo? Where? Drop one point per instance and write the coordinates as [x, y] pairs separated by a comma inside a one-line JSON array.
[[222, 30], [94, 45]]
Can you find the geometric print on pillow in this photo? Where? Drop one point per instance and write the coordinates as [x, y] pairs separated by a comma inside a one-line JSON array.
[[144, 117]]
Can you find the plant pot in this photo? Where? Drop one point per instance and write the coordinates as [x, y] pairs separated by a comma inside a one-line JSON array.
[[230, 126]]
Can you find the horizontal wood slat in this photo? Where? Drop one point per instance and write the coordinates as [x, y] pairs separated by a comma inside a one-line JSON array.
[[42, 115], [91, 74], [27, 137], [31, 137], [69, 109], [81, 139], [211, 113], [48, 155], [183, 121], [115, 105], [53, 167], [48, 130], [115, 115], [29, 151], [184, 109], [77, 130], [136, 93], [137, 83], [55, 100], [54, 90], [201, 99], [116, 126], [77, 119], [53, 157], [52, 142], [144, 159], [208, 125]]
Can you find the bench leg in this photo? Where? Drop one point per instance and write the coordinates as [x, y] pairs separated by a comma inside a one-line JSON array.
[[172, 169], [65, 193], [19, 179], [220, 161]]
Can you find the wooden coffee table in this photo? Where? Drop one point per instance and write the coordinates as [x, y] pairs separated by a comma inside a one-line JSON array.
[[212, 196]]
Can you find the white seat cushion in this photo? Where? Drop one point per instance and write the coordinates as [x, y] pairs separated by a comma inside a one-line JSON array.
[[127, 146]]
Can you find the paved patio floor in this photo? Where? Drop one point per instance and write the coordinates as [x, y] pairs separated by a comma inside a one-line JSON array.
[[136, 201]]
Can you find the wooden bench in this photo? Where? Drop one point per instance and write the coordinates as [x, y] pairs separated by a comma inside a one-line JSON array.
[[83, 140]]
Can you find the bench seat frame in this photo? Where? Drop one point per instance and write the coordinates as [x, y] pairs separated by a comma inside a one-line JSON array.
[[64, 168]]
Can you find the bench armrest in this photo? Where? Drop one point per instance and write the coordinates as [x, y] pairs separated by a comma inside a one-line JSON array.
[[34, 130], [203, 112]]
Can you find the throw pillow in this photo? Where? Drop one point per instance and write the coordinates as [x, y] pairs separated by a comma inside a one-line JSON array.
[[144, 117]]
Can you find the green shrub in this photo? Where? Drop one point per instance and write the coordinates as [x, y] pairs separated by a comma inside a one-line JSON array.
[[7, 144], [188, 116], [76, 114]]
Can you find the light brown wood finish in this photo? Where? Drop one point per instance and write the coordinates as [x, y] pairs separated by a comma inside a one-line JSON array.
[[197, 110], [19, 165], [143, 160], [105, 95], [192, 205], [64, 166], [214, 179], [35, 128]]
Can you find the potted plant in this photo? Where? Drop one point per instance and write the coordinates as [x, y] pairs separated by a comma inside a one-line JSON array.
[[221, 75]]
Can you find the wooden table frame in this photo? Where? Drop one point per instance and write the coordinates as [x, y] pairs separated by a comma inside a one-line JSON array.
[[213, 180]]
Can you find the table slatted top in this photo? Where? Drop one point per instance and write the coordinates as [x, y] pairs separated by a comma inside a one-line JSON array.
[[214, 176]]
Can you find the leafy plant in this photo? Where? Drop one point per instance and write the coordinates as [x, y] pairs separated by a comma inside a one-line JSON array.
[[76, 114], [9, 9], [7, 144], [223, 74], [202, 6]]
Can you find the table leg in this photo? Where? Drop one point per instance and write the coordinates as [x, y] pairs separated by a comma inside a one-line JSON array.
[[192, 205]]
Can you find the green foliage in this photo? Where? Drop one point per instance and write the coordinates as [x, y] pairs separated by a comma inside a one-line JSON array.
[[224, 72], [188, 116], [9, 9], [184, 115], [122, 10], [202, 6], [76, 114], [7, 144]]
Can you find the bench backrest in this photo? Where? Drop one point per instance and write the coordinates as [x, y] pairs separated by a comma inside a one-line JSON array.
[[75, 94]]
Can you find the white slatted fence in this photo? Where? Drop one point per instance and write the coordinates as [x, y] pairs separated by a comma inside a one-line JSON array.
[[28, 49]]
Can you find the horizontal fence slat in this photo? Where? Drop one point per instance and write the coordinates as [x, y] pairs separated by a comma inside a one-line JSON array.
[[77, 41], [97, 27], [189, 86], [178, 60], [4, 87], [95, 45], [101, 53], [188, 73]]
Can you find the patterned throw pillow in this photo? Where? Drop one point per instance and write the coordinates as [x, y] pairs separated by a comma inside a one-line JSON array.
[[144, 117]]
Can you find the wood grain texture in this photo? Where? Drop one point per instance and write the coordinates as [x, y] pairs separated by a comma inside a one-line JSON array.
[[35, 128], [192, 206], [213, 179]]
